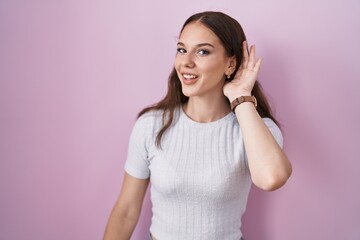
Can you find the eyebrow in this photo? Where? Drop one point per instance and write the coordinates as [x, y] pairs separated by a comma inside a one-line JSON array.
[[198, 45]]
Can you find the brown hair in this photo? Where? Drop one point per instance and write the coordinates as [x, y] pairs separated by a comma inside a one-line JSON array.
[[231, 35]]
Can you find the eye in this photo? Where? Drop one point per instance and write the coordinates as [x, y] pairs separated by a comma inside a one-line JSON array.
[[181, 50], [203, 52]]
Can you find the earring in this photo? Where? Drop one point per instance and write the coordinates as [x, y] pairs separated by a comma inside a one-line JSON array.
[[228, 76]]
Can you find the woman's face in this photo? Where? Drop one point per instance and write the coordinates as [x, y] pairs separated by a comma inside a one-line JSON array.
[[201, 61]]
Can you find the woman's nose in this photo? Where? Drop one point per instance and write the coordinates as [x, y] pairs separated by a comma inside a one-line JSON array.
[[188, 60]]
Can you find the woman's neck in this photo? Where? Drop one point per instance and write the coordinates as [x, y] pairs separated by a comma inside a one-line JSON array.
[[207, 108]]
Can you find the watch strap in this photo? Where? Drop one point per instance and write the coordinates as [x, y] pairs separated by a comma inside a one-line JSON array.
[[242, 99]]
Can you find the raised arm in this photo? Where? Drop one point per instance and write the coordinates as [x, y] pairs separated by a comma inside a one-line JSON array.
[[126, 212], [268, 164]]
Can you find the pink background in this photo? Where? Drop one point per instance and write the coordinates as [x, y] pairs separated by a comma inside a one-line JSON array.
[[74, 74]]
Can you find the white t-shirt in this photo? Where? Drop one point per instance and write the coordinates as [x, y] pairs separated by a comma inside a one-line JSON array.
[[200, 179]]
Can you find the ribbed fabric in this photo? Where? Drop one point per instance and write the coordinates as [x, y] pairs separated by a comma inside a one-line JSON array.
[[200, 180]]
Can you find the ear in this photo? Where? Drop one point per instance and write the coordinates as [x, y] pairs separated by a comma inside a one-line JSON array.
[[231, 65]]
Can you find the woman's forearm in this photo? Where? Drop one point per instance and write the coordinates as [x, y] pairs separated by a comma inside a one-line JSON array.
[[126, 212], [269, 166], [120, 225]]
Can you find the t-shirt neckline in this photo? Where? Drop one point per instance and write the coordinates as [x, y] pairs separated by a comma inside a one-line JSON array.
[[217, 122]]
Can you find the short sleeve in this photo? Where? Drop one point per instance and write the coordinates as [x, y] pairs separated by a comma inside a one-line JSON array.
[[137, 162], [275, 131]]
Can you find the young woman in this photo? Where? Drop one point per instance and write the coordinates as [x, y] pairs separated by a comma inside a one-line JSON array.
[[203, 145]]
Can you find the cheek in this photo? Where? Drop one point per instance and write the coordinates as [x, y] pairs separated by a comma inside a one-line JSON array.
[[215, 70], [213, 64], [177, 63], [177, 67]]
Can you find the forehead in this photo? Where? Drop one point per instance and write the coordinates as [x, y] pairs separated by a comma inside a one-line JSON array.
[[195, 33]]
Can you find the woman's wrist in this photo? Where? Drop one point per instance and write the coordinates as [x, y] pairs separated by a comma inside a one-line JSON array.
[[237, 95], [241, 100]]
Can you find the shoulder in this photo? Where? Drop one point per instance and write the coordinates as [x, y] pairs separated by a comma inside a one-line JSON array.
[[148, 124], [152, 114], [145, 129], [149, 119]]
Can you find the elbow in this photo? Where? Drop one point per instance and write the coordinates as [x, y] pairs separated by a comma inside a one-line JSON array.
[[273, 184], [274, 180]]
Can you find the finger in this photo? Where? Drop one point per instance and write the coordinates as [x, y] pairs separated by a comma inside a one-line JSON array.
[[257, 65], [245, 52], [238, 73], [251, 61]]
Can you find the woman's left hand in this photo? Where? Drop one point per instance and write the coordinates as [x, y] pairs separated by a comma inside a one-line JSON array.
[[246, 76]]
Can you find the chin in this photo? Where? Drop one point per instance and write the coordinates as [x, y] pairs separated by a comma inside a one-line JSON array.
[[189, 92]]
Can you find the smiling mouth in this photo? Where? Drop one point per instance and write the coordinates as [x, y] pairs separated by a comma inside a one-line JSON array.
[[189, 79]]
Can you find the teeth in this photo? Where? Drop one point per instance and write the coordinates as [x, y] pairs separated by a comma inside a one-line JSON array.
[[189, 76]]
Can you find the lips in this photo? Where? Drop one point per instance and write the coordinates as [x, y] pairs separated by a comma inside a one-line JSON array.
[[189, 78]]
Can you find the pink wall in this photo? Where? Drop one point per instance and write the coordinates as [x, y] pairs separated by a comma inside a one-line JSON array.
[[73, 75]]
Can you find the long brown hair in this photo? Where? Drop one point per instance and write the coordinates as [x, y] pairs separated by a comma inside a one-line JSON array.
[[231, 35]]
